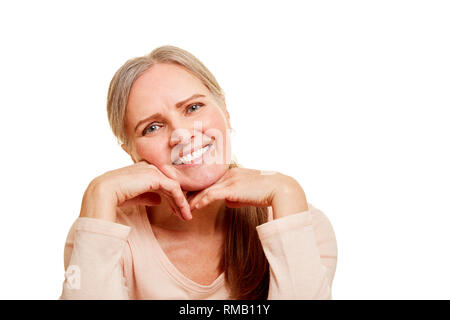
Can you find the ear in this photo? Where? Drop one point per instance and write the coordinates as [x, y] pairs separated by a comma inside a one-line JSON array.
[[126, 150]]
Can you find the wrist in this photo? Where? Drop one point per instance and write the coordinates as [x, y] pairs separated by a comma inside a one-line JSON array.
[[98, 203], [289, 198]]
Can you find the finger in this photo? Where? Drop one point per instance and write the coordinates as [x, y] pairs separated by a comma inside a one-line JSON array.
[[181, 202], [189, 195], [197, 197], [221, 183], [173, 206], [159, 188], [175, 191], [175, 209], [211, 196]]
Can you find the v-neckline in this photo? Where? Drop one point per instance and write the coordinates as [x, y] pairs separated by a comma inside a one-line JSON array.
[[170, 267]]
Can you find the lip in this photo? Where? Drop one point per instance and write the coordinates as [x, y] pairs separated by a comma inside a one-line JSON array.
[[199, 160], [186, 151]]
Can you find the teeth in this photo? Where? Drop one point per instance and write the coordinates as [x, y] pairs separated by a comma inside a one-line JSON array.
[[192, 156]]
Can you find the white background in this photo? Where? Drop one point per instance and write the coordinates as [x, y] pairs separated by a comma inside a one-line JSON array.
[[349, 97]]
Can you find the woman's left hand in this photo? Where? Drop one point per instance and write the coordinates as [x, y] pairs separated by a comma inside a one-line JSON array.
[[241, 187]]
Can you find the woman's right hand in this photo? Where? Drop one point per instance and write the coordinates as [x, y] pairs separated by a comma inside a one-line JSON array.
[[141, 183]]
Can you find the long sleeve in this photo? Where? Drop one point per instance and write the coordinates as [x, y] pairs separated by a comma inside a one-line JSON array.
[[302, 253], [92, 260]]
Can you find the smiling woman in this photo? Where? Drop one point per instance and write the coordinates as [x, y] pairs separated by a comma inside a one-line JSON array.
[[168, 92], [184, 221]]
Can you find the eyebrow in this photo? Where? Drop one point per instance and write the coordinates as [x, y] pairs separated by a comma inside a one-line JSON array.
[[177, 105]]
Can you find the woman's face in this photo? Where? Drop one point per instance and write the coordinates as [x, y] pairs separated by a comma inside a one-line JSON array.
[[162, 125]]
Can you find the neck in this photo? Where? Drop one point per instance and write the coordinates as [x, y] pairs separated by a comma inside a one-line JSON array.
[[206, 221]]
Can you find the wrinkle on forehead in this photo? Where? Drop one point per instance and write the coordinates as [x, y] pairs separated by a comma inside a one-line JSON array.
[[161, 87]]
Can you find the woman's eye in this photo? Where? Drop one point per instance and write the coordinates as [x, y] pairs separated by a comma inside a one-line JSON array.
[[150, 128], [191, 107], [154, 127]]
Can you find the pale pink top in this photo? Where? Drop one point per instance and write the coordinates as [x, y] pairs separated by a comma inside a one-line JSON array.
[[123, 260]]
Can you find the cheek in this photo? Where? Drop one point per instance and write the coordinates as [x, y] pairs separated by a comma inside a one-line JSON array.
[[151, 152], [222, 153], [214, 122]]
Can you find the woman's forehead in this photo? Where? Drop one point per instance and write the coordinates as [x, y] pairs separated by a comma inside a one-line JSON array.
[[161, 86]]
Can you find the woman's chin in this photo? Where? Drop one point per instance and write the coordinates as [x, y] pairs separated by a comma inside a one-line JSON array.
[[200, 184], [201, 179]]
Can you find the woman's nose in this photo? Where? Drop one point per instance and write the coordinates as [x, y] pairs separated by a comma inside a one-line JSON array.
[[184, 133], [180, 135]]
